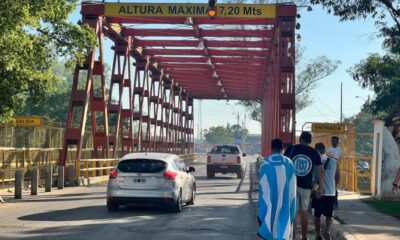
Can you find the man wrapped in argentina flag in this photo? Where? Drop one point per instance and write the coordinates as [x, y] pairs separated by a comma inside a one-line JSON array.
[[277, 195]]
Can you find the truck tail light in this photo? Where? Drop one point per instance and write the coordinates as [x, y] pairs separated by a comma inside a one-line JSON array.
[[238, 159]]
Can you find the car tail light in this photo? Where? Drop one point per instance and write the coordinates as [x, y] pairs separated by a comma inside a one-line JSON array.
[[170, 175], [208, 159], [113, 174], [238, 159]]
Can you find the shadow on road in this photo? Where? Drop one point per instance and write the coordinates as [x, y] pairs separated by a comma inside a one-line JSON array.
[[197, 222]]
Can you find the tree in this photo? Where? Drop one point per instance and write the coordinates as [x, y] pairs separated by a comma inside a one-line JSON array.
[[364, 128], [55, 105], [308, 75], [220, 134], [382, 75], [379, 73], [32, 33]]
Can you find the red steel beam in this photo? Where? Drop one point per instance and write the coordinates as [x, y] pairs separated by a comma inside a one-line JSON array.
[[238, 44], [173, 52], [234, 33], [242, 60], [237, 33], [208, 43], [213, 52], [161, 59], [181, 20]]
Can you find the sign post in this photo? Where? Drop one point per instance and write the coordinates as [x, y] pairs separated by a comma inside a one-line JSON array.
[[328, 127], [28, 121]]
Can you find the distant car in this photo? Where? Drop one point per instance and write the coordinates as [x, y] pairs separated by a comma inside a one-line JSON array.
[[224, 159], [151, 178]]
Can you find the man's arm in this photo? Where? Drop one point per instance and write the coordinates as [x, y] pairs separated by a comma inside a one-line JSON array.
[[337, 175], [321, 180], [396, 181], [292, 197]]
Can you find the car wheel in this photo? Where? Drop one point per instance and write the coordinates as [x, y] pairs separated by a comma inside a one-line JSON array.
[[112, 206], [240, 174], [210, 173], [177, 206], [191, 202]]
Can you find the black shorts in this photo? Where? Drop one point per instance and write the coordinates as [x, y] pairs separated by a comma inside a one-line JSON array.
[[324, 206]]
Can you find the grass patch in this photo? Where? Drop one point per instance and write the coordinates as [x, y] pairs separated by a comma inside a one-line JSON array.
[[389, 207]]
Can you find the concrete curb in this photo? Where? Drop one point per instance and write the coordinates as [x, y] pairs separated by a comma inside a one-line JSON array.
[[338, 231]]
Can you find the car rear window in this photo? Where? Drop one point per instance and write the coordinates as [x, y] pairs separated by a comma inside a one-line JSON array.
[[142, 166], [225, 149]]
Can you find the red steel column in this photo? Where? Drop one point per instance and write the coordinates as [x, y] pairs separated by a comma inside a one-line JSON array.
[[155, 91], [119, 73], [82, 94], [141, 73], [278, 103], [126, 123], [168, 105], [286, 73], [146, 112], [190, 118]]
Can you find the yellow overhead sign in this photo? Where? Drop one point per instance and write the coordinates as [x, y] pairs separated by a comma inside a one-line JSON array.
[[28, 121], [328, 127], [188, 10]]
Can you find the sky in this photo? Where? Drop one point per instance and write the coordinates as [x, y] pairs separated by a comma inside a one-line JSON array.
[[321, 34]]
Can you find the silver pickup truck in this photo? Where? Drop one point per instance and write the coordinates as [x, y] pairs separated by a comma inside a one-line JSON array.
[[224, 159]]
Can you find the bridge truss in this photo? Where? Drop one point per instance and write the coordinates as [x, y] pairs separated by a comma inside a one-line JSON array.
[[161, 64]]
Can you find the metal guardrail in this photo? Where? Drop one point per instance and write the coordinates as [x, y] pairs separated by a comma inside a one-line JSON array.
[[84, 168], [188, 158]]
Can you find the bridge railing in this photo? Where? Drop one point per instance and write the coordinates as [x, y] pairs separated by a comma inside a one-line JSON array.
[[102, 167], [12, 160]]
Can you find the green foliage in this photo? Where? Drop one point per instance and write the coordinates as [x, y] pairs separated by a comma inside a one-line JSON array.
[[55, 105], [378, 73], [221, 135], [382, 75], [389, 207], [364, 132], [31, 34]]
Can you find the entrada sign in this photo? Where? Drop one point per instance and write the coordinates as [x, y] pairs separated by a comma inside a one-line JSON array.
[[188, 10], [328, 127], [28, 121]]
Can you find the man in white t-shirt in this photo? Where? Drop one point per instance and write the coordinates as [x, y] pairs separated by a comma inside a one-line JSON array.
[[335, 152]]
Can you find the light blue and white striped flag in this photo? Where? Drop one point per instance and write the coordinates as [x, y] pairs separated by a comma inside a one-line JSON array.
[[277, 197]]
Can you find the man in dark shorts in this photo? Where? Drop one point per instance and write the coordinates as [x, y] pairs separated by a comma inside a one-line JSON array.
[[305, 159], [325, 204]]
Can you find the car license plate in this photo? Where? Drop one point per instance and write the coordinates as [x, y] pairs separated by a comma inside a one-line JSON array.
[[223, 166], [139, 180]]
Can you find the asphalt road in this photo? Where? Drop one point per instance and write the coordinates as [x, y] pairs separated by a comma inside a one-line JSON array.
[[224, 209]]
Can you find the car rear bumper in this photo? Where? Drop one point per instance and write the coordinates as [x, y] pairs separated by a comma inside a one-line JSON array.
[[141, 195], [219, 168], [140, 200]]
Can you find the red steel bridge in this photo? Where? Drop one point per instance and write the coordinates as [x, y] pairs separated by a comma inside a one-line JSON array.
[[167, 55]]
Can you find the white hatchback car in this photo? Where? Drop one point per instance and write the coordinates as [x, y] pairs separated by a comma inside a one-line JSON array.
[[151, 178]]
